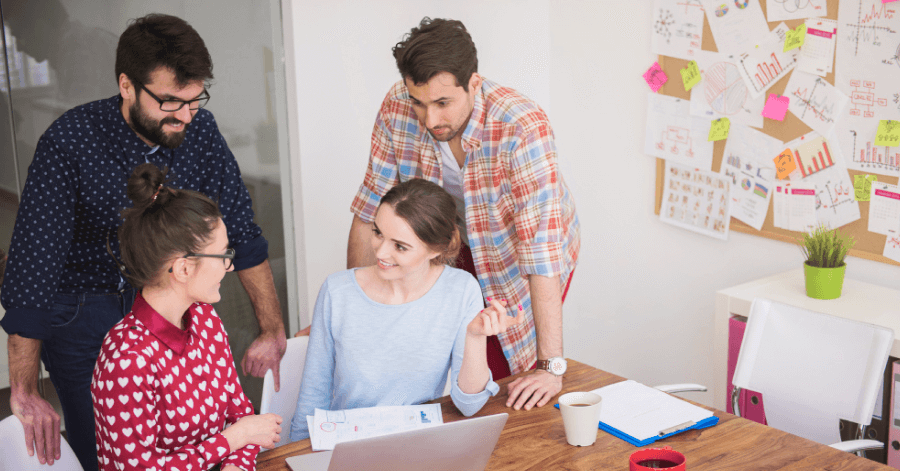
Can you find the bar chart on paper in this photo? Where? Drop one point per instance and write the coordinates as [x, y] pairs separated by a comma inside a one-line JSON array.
[[814, 156], [869, 156]]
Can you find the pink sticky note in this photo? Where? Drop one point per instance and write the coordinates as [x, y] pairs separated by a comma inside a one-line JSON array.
[[655, 77], [776, 107]]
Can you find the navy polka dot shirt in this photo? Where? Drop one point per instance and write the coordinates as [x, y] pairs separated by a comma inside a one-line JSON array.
[[74, 194]]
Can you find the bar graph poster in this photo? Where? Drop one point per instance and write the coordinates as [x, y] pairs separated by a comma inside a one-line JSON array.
[[821, 163], [813, 156], [762, 66]]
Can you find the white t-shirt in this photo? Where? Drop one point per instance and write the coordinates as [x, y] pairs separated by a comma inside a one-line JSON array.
[[453, 183]]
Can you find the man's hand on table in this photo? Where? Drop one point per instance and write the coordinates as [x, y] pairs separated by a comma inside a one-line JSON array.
[[535, 389]]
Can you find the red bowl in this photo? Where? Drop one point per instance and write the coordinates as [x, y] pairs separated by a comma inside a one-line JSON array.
[[656, 458]]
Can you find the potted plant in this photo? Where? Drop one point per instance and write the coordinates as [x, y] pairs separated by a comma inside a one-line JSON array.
[[824, 268]]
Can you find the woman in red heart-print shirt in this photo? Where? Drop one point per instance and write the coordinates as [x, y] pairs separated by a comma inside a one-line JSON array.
[[165, 386]]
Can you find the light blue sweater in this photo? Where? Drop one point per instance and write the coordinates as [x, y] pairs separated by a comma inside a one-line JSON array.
[[363, 354]]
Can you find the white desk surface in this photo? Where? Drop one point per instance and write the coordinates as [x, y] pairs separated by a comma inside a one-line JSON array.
[[859, 301]]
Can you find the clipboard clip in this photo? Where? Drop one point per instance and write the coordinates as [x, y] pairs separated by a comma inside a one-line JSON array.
[[675, 428]]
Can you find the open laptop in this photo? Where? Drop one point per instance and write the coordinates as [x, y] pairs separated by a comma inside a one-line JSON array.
[[465, 445]]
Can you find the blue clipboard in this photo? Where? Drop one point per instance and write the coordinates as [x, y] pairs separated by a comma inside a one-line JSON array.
[[705, 423]]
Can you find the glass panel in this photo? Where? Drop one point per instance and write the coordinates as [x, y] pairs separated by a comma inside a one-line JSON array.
[[63, 55]]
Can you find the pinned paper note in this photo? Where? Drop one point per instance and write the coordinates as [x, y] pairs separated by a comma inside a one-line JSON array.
[[776, 107], [690, 75], [794, 38], [784, 164], [888, 133], [862, 186], [718, 129], [655, 77]]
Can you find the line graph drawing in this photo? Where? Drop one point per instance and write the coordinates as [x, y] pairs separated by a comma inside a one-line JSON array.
[[867, 29], [815, 101]]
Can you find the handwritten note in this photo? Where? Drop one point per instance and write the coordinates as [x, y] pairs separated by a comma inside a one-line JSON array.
[[784, 164], [794, 38], [888, 133], [690, 75], [655, 77], [862, 186], [718, 129], [776, 107]]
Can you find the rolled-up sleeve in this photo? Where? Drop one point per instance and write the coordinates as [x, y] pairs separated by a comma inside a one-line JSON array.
[[40, 242]]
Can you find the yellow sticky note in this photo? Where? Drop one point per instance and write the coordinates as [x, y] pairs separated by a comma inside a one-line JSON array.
[[862, 186], [888, 133], [794, 38], [718, 129], [784, 164], [690, 75]]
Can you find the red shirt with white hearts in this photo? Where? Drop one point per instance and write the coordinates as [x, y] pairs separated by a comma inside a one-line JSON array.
[[162, 395]]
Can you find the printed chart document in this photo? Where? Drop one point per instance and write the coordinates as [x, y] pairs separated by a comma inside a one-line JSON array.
[[677, 28], [696, 200], [645, 413], [795, 206], [815, 101], [673, 134], [747, 163], [783, 10], [766, 64], [884, 208], [332, 427], [817, 52], [892, 251], [735, 24], [722, 92]]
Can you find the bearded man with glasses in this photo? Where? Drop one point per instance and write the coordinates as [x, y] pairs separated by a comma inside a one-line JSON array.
[[63, 291]]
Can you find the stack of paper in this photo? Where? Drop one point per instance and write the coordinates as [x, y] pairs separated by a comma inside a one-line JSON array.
[[327, 428]]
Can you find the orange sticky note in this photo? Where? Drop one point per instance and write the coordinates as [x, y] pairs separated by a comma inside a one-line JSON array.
[[784, 164]]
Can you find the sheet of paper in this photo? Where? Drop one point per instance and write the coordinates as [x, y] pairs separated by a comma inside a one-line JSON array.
[[776, 107], [673, 134], [677, 28], [735, 24], [722, 92], [642, 411], [884, 208], [783, 10], [332, 427], [815, 101], [655, 77], [748, 166], [779, 206], [763, 65], [892, 251], [822, 163], [817, 53], [866, 69], [862, 186], [696, 200], [801, 206]]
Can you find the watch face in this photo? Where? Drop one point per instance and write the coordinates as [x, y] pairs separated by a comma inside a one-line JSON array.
[[557, 366]]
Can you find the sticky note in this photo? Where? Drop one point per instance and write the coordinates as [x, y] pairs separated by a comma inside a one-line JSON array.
[[794, 38], [888, 1], [690, 75], [655, 77], [888, 133], [776, 107], [784, 164], [718, 129], [862, 186]]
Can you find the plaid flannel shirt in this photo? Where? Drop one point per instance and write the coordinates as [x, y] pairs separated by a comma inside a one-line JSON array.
[[520, 216]]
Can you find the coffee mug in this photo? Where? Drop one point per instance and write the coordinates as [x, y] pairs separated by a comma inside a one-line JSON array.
[[581, 417], [656, 458]]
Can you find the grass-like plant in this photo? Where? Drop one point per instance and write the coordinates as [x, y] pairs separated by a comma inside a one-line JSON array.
[[824, 248]]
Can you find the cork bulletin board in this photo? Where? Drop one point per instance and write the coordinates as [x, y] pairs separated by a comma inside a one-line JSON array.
[[869, 245]]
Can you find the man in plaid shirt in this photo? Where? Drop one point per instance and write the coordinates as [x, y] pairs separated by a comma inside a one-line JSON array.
[[493, 150]]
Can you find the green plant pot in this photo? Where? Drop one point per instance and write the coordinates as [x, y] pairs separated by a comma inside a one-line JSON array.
[[824, 283]]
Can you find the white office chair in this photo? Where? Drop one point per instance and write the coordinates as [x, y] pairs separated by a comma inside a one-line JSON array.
[[14, 454], [284, 402], [813, 369]]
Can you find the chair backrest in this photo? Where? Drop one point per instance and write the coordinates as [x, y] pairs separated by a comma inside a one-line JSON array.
[[14, 454], [812, 368], [284, 402]]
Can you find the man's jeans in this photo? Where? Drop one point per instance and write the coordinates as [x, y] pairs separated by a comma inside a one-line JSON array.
[[79, 325]]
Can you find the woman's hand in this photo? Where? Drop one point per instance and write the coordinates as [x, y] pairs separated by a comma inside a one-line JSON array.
[[493, 320], [259, 430]]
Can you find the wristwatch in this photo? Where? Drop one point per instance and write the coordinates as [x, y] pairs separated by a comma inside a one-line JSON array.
[[556, 365]]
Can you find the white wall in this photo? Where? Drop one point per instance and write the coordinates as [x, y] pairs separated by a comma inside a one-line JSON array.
[[642, 298]]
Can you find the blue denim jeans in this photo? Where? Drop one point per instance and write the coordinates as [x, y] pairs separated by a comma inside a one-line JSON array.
[[79, 325]]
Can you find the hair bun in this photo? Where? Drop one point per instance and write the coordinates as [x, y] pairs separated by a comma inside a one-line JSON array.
[[145, 184]]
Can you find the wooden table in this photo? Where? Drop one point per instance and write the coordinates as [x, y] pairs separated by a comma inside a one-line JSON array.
[[536, 440]]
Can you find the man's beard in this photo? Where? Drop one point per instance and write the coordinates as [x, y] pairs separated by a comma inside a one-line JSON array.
[[153, 130], [446, 136]]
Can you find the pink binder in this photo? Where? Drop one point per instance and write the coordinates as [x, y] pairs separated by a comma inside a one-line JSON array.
[[750, 402], [893, 445]]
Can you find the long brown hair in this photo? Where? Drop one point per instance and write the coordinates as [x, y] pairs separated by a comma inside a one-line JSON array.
[[164, 222], [431, 213]]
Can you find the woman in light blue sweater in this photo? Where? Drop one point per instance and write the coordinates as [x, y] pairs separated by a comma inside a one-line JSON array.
[[385, 335]]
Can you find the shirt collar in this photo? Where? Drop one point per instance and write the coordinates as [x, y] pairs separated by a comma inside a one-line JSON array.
[[174, 338], [471, 138]]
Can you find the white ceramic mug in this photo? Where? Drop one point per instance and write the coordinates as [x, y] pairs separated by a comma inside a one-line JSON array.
[[581, 417]]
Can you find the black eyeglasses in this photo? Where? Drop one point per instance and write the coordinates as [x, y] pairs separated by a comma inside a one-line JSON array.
[[227, 257], [175, 105]]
